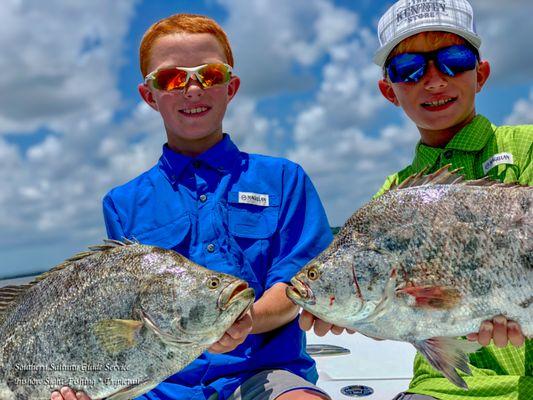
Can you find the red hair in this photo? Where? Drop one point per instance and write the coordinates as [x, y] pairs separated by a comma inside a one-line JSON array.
[[433, 38], [181, 23]]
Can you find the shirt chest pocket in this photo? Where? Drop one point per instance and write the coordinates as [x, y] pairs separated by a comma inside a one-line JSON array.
[[174, 235], [252, 221]]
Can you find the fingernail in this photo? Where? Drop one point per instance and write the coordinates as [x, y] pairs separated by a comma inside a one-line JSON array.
[[500, 320], [79, 395], [55, 395], [64, 390]]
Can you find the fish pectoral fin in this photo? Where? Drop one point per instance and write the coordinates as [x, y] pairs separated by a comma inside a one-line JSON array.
[[433, 297], [133, 391], [446, 354], [117, 335]]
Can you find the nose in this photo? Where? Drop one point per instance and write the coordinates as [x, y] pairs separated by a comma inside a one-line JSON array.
[[433, 78], [193, 89]]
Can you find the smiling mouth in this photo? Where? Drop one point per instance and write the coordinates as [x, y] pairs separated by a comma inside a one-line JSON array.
[[194, 112], [438, 103]]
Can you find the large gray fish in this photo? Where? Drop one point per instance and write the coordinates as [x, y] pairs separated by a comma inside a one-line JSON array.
[[113, 322], [426, 262]]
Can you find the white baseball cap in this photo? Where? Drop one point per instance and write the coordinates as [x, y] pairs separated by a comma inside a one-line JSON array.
[[408, 17]]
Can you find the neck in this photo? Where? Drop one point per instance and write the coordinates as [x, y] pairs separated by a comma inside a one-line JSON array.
[[193, 147], [441, 137]]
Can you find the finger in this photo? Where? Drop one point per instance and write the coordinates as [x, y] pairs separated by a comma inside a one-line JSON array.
[[499, 332], [216, 348], [68, 393], [226, 340], [516, 337], [351, 331], [322, 327], [56, 396], [306, 320], [240, 328], [336, 330], [82, 396], [485, 333], [472, 337]]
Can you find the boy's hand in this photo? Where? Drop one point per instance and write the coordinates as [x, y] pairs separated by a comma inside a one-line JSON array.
[[68, 394], [234, 336], [307, 320], [500, 330]]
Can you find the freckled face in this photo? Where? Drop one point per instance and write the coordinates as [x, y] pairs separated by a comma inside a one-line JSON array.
[[192, 116]]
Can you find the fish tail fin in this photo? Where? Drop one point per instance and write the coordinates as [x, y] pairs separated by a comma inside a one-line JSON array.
[[446, 354]]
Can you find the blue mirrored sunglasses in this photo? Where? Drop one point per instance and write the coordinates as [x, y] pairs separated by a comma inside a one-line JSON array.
[[411, 67]]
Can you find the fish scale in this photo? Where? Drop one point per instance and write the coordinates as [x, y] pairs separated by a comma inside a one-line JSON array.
[[113, 322], [431, 258]]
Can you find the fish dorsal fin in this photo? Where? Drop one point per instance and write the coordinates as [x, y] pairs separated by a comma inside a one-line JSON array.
[[107, 245], [445, 176], [10, 294]]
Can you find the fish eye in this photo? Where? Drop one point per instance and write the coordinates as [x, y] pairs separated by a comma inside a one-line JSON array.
[[213, 282], [313, 274]]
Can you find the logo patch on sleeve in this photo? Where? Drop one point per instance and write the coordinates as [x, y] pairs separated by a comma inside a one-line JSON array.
[[497, 159], [256, 199]]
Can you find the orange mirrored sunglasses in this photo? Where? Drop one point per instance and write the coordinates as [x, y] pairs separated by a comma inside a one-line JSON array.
[[207, 75]]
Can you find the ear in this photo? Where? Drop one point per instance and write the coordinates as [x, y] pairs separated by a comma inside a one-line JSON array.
[[233, 87], [147, 95], [386, 89], [482, 74]]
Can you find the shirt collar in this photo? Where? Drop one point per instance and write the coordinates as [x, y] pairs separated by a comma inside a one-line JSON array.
[[473, 137], [220, 157]]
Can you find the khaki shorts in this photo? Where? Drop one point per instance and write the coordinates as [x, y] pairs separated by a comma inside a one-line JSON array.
[[269, 384]]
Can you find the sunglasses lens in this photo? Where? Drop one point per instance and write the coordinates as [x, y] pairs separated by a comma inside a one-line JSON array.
[[455, 59], [168, 79], [214, 74], [407, 67]]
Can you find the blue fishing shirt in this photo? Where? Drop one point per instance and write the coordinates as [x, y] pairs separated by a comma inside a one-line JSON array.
[[252, 216]]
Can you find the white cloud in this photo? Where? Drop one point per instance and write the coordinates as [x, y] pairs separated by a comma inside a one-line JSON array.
[[522, 111], [251, 131], [59, 62], [271, 38], [505, 29]]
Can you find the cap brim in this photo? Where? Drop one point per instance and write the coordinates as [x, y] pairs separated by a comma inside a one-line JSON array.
[[381, 55]]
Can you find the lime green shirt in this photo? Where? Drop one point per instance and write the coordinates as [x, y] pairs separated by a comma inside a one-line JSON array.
[[504, 153]]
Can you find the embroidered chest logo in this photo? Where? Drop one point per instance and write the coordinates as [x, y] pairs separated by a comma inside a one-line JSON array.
[[256, 199], [497, 159]]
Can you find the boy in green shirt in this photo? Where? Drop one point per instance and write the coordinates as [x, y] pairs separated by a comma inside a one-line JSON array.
[[432, 69]]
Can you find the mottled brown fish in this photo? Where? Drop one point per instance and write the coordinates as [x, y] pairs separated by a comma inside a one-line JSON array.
[[426, 262], [113, 322]]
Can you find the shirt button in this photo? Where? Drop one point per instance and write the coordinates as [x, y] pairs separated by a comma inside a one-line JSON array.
[[203, 198], [196, 164], [210, 247], [447, 154]]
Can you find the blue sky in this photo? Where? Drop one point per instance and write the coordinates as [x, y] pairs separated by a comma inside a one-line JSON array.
[[72, 124]]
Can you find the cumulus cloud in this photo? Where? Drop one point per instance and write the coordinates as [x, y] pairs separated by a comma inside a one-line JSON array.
[[273, 40], [505, 29], [522, 111], [59, 61]]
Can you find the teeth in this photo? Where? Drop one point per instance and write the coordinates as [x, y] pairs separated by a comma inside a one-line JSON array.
[[195, 110], [438, 102]]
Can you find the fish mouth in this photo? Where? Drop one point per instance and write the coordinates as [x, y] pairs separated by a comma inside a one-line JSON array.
[[300, 292], [235, 293]]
